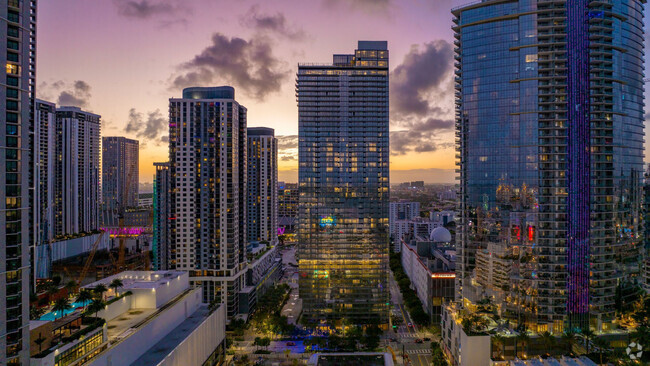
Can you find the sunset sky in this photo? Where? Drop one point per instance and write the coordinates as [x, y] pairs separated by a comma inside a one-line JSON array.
[[124, 59]]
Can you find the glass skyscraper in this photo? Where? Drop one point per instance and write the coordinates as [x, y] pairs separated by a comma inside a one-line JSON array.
[[343, 177], [549, 102]]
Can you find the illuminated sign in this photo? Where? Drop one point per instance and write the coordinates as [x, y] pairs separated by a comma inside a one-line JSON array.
[[321, 274], [281, 230], [443, 275], [327, 221]]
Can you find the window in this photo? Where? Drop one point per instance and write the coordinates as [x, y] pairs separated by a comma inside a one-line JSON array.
[[13, 69], [13, 81], [12, 56], [12, 118], [12, 45]]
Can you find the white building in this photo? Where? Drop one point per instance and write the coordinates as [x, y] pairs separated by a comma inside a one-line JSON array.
[[262, 173], [207, 141], [401, 211], [461, 349], [158, 320], [77, 171]]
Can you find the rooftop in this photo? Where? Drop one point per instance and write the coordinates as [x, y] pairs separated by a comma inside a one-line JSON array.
[[215, 92], [155, 354], [133, 280]]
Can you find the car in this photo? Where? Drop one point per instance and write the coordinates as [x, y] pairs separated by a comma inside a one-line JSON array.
[[393, 340], [418, 340], [289, 344], [426, 339], [410, 325]]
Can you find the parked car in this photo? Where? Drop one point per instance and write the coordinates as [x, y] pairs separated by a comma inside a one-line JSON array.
[[410, 325], [426, 339], [289, 344], [418, 340]]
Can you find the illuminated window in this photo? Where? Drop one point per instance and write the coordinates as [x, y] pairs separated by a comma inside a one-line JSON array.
[[13, 69]]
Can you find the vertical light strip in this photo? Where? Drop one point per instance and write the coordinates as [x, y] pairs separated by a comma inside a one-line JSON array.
[[578, 164]]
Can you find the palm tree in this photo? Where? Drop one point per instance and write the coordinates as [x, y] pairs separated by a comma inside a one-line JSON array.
[[589, 336], [549, 341], [70, 286], [524, 339], [99, 290], [117, 283], [499, 341], [61, 305], [84, 297], [603, 346], [96, 306], [569, 338]]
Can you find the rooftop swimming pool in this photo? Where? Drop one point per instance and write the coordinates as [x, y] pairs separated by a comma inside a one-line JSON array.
[[53, 315]]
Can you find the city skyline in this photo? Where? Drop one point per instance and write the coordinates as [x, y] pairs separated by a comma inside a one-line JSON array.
[[145, 67]]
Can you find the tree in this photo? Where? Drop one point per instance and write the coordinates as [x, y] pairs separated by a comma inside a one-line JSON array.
[[257, 342], [589, 336], [548, 340], [51, 291], [99, 290], [524, 339], [84, 297], [35, 312], [39, 341], [61, 305], [115, 284], [96, 306], [437, 356], [70, 286], [569, 338], [602, 346]]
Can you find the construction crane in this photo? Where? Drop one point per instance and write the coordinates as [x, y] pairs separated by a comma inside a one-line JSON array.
[[89, 260]]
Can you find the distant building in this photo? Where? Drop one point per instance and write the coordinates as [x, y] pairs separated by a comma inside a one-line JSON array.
[[448, 195], [417, 184], [343, 114], [401, 211], [77, 190], [262, 171], [207, 150], [145, 199], [288, 198], [44, 177], [431, 268], [158, 320], [120, 177], [420, 228], [163, 257]]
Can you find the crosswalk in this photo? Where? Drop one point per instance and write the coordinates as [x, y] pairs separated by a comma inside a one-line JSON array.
[[418, 351]]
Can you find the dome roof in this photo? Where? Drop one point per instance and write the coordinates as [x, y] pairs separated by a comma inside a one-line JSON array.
[[440, 235]]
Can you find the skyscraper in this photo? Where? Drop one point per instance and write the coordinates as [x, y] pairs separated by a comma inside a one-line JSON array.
[[207, 153], [262, 211], [343, 177], [550, 137], [162, 255], [44, 158], [120, 159], [77, 171], [16, 179]]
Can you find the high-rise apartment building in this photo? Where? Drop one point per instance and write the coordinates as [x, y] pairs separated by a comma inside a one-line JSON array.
[[262, 211], [44, 159], [401, 211], [550, 138], [288, 200], [120, 179], [162, 218], [77, 171], [207, 152], [343, 177], [16, 179]]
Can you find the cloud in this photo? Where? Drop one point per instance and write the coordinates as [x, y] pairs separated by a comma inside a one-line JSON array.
[[248, 65], [271, 23], [288, 158], [149, 129], [425, 70], [286, 142], [422, 136], [363, 5], [168, 12], [76, 94]]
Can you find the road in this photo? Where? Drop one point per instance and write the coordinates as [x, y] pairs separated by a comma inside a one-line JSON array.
[[419, 354]]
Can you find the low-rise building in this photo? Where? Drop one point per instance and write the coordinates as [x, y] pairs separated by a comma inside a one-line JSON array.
[[264, 270], [462, 349], [155, 318], [431, 268], [145, 200]]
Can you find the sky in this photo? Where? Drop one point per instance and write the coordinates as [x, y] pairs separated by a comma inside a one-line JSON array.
[[124, 59]]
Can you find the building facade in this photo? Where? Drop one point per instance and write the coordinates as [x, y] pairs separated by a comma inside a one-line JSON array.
[[120, 178], [16, 180], [343, 177], [401, 211], [207, 165], [262, 211], [287, 208], [162, 214], [77, 188], [549, 116], [44, 158]]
